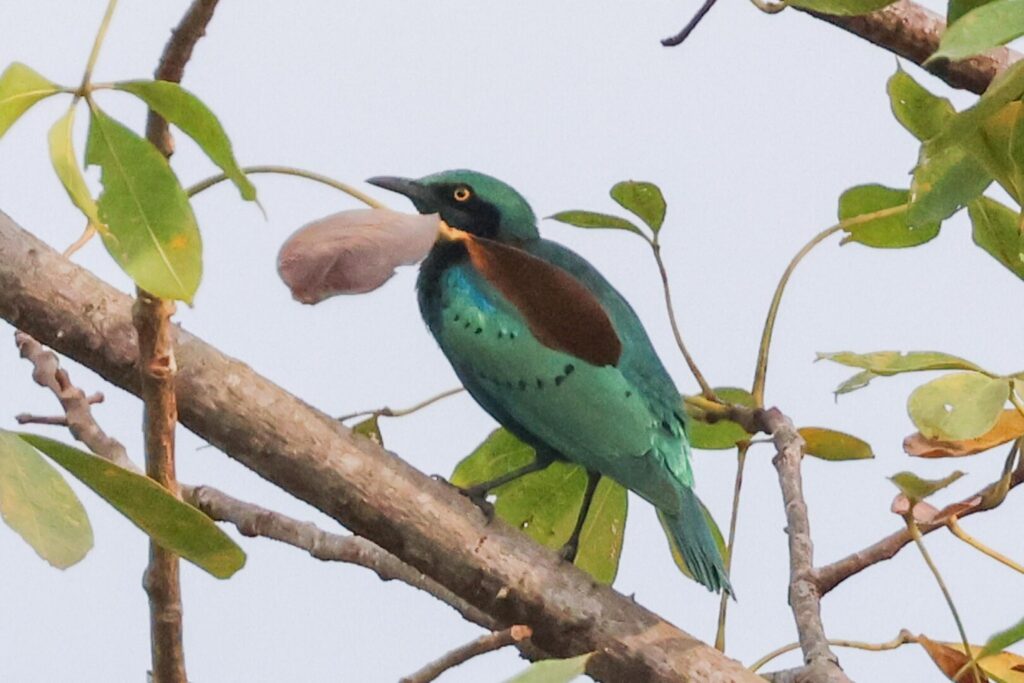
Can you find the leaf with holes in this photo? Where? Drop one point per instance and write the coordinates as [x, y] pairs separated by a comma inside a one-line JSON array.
[[841, 7], [553, 670], [65, 164], [175, 525], [916, 489], [643, 199], [962, 405], [896, 362], [982, 28], [829, 444], [20, 88], [1009, 426], [591, 219], [152, 232], [187, 112], [995, 229], [38, 504], [876, 216], [722, 434]]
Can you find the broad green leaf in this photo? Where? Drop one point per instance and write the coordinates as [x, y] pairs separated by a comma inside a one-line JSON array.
[[858, 381], [985, 27], [895, 362], [995, 229], [961, 405], [997, 147], [724, 433], [1004, 639], [370, 428], [65, 163], [603, 531], [590, 219], [945, 180], [958, 8], [917, 109], [152, 232], [499, 453], [175, 525], [553, 670], [1009, 426], [38, 504], [829, 444], [841, 7], [876, 216], [20, 88], [916, 489], [643, 199], [1007, 87], [186, 111], [716, 534]]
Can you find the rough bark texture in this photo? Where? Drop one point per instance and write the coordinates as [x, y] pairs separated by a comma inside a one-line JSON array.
[[372, 492]]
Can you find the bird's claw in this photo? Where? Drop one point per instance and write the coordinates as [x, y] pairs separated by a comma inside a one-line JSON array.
[[568, 552], [478, 497]]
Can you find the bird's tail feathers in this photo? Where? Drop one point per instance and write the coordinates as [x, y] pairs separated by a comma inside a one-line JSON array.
[[689, 534]]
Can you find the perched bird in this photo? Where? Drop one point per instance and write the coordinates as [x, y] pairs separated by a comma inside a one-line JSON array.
[[555, 354]]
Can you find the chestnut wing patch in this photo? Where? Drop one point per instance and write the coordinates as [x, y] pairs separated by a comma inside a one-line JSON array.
[[560, 312]]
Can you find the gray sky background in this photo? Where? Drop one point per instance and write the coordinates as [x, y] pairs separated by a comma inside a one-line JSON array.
[[753, 128]]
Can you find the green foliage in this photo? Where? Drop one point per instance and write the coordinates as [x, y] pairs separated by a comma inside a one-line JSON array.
[[829, 444], [547, 504], [723, 434], [983, 27], [876, 216], [591, 219], [65, 163], [186, 111], [643, 199], [945, 180], [917, 109], [370, 428], [958, 406], [841, 7], [996, 229], [175, 525], [20, 88], [553, 670], [916, 489], [152, 232], [38, 504], [886, 363], [1004, 639], [958, 8]]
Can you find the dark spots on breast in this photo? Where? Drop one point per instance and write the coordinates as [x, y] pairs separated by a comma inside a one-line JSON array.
[[569, 369], [456, 318], [478, 330], [501, 334], [522, 385], [666, 426], [508, 384], [540, 383], [466, 326], [628, 394], [511, 335], [559, 380]]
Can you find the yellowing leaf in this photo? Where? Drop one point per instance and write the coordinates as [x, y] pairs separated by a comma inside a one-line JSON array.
[[65, 164], [370, 428], [916, 489], [962, 405], [20, 88], [38, 504], [896, 362], [950, 659], [829, 444], [1009, 426], [152, 232], [553, 670]]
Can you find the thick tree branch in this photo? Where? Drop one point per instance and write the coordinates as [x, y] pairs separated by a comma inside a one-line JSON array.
[[425, 523], [913, 32]]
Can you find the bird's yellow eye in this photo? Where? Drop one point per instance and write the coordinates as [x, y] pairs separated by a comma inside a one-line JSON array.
[[462, 193]]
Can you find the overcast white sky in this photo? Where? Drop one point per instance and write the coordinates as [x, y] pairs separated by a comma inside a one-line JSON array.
[[752, 128]]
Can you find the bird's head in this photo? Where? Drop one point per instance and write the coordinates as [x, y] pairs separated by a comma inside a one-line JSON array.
[[469, 201]]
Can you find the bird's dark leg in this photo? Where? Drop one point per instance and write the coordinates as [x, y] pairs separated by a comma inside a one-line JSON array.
[[478, 492], [570, 548]]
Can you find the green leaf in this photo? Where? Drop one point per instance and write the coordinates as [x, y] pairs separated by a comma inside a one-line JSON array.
[[982, 28], [995, 229], [590, 219], [553, 670], [370, 428], [186, 111], [724, 433], [945, 180], [1007, 87], [858, 381], [958, 406], [917, 109], [152, 232], [958, 8], [643, 199], [603, 531], [20, 88], [65, 164], [175, 525], [895, 362], [829, 444], [39, 505], [916, 489], [1004, 639], [841, 7], [716, 534], [876, 216]]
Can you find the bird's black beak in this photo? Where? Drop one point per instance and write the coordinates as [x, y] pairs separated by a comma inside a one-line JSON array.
[[421, 195]]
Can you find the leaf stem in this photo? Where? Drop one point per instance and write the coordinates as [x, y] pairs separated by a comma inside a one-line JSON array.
[[288, 170], [723, 607], [958, 531], [400, 412], [773, 311], [705, 388], [101, 34], [902, 638]]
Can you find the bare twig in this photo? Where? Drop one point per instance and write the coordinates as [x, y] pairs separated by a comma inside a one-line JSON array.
[[904, 637], [486, 643], [959, 532], [690, 25], [723, 606], [297, 172], [911, 31], [400, 412]]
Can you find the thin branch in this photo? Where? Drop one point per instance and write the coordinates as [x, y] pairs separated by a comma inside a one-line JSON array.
[[97, 43], [482, 645], [904, 637], [913, 32], [723, 607], [958, 531], [297, 172], [401, 412], [690, 25]]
